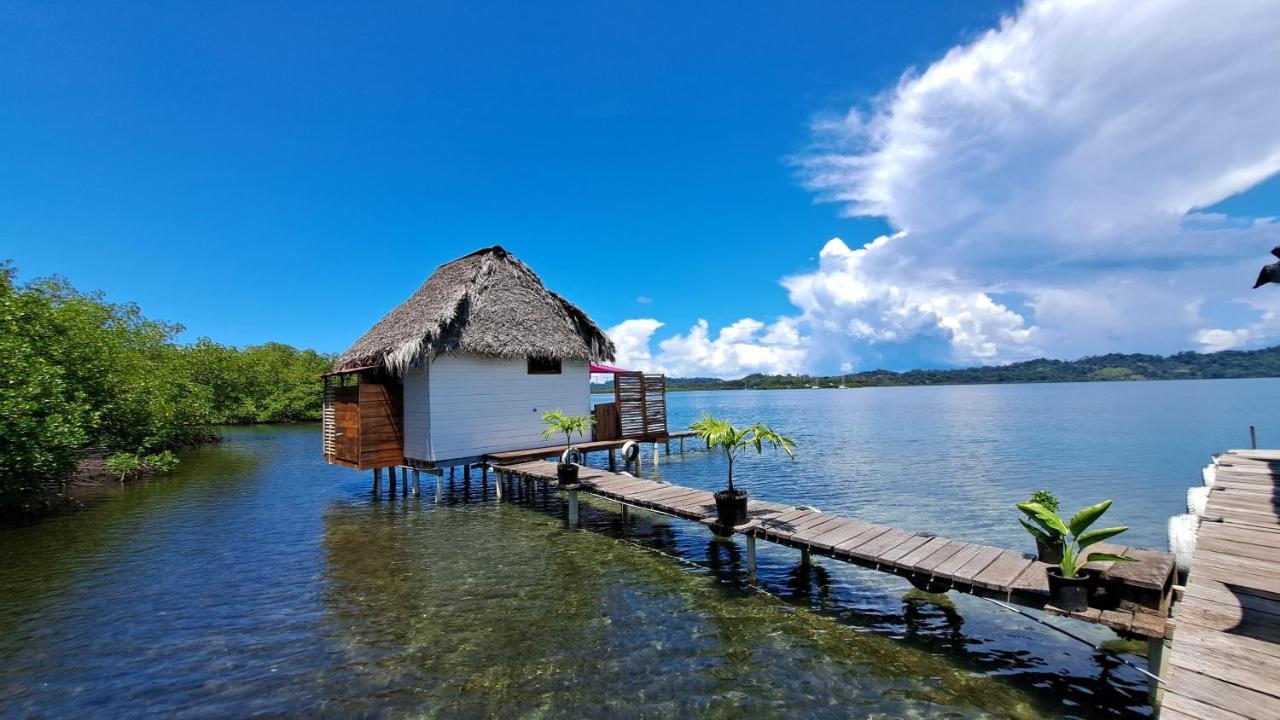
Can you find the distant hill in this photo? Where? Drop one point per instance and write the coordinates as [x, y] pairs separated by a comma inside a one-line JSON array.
[[1113, 367]]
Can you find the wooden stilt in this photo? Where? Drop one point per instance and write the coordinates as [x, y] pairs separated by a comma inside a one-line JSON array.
[[466, 473], [417, 482], [655, 454], [484, 473], [391, 481], [806, 558], [573, 509], [613, 459], [626, 513], [498, 479], [439, 487], [377, 482], [1157, 663], [668, 447], [751, 558], [681, 444]]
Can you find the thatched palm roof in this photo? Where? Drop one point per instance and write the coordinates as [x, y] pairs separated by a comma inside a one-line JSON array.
[[487, 303]]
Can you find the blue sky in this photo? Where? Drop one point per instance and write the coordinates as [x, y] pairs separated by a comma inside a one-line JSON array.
[[290, 172]]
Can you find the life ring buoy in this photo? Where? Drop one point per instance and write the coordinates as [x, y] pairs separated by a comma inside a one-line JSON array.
[[1182, 540], [630, 451], [1197, 500], [572, 456]]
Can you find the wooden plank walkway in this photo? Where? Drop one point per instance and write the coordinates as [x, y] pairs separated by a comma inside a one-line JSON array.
[[1139, 591], [1225, 658]]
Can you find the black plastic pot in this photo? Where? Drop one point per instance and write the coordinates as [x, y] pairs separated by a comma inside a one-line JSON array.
[[1051, 554], [567, 474], [731, 507], [1070, 594]]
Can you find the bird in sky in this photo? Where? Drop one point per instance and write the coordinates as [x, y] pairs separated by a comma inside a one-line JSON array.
[[1269, 273]]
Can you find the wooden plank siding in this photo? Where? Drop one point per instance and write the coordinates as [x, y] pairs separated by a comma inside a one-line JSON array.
[[417, 412], [368, 424], [607, 426], [381, 424], [478, 405]]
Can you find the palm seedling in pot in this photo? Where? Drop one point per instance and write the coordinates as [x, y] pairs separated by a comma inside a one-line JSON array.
[[568, 425], [1048, 539], [1068, 584], [731, 503]]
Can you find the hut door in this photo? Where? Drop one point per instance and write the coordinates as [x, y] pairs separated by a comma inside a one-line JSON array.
[[346, 424]]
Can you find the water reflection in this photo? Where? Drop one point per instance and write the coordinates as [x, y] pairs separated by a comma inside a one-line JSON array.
[[257, 580]]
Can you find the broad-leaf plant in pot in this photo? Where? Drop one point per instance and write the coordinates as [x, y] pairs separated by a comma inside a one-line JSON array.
[[731, 503], [1048, 539], [568, 425], [1068, 583]]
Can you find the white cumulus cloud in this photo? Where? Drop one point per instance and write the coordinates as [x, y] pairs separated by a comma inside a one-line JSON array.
[[1046, 185], [1062, 157], [744, 347]]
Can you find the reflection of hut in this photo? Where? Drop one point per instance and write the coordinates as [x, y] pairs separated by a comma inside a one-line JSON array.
[[463, 368]]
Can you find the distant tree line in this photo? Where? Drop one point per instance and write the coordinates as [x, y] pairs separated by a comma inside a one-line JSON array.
[[80, 375], [1182, 366]]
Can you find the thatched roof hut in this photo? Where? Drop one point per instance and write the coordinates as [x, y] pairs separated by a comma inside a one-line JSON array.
[[487, 303]]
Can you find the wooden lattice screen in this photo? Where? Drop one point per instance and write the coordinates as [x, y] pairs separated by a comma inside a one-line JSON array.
[[326, 416], [642, 404]]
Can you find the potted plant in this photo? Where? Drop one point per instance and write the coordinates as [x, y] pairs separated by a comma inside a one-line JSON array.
[[731, 503], [557, 422], [1048, 539], [1068, 585]]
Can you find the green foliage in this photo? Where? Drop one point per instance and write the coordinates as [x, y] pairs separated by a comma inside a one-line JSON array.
[[1045, 498], [723, 434], [125, 465], [1074, 534], [1044, 532], [79, 372], [568, 425], [160, 462]]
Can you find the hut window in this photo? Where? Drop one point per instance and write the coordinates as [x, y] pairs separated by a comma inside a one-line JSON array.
[[544, 366]]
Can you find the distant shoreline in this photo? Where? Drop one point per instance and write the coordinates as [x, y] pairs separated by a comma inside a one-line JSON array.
[[609, 391], [1225, 365]]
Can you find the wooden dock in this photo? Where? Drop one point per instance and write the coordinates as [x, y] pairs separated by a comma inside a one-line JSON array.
[[1136, 595], [1225, 656]]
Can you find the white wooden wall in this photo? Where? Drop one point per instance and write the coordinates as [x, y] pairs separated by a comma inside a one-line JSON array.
[[478, 405], [417, 414]]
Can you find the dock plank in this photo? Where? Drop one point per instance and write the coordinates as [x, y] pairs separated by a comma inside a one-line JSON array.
[[912, 559], [1225, 658], [939, 556], [1002, 571], [831, 538]]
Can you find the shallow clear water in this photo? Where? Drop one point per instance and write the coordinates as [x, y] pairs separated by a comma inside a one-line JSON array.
[[257, 580]]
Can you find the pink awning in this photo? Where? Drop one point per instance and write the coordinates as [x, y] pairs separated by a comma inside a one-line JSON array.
[[597, 368]]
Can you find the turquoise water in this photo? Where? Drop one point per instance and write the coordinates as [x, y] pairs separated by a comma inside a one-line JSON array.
[[256, 580]]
